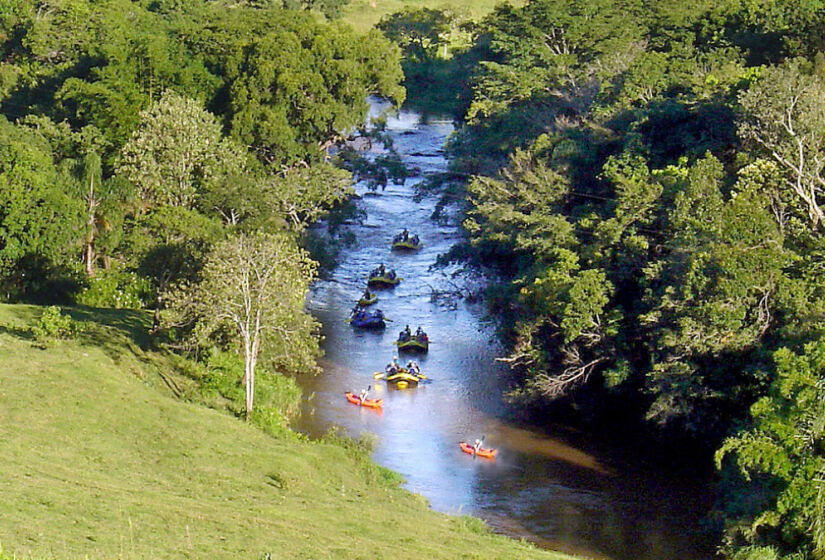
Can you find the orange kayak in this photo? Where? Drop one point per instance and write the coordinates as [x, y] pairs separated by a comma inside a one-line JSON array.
[[482, 452], [371, 403]]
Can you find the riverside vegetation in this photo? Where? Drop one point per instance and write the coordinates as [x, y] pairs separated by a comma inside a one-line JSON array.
[[159, 162], [644, 178], [646, 181]]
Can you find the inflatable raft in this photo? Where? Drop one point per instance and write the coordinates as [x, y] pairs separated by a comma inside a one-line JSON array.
[[384, 280], [414, 343], [408, 245], [369, 403], [374, 320], [482, 451]]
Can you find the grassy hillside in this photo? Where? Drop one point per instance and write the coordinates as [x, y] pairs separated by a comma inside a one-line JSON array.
[[363, 14], [101, 460]]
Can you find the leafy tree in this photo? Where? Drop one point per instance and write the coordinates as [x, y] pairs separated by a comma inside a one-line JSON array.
[[785, 117], [37, 214], [714, 295], [78, 155], [168, 246], [177, 153], [520, 210], [420, 32], [781, 453], [293, 198], [253, 291], [299, 86]]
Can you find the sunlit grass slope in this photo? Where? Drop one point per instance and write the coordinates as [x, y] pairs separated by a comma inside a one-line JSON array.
[[363, 14], [100, 460]]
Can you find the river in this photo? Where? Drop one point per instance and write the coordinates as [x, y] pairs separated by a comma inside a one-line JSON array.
[[562, 490]]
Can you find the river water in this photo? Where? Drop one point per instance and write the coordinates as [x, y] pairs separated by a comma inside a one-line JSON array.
[[562, 490]]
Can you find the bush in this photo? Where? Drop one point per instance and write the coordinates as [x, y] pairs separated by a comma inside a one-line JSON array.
[[279, 393], [54, 325], [277, 397], [118, 290]]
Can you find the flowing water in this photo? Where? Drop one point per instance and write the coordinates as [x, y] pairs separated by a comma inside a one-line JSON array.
[[563, 491]]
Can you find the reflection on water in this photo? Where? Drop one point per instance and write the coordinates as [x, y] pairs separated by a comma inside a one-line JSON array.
[[539, 487]]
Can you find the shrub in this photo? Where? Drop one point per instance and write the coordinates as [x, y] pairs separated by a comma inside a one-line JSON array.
[[277, 397], [118, 290], [54, 325]]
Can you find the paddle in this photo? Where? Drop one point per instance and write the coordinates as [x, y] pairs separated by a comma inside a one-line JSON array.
[[379, 375]]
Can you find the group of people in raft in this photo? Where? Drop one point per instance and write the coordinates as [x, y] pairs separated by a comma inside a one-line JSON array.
[[395, 367], [412, 367], [405, 236], [406, 334], [381, 272], [360, 312]]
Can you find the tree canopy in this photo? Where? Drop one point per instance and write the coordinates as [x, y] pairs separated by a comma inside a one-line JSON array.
[[153, 148], [647, 189]]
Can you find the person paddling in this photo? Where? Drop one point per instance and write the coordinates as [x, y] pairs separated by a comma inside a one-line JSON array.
[[477, 444], [364, 393]]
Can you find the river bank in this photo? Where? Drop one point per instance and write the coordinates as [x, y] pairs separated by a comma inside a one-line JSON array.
[[101, 459]]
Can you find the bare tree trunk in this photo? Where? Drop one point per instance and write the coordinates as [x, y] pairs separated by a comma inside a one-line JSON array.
[[89, 256], [89, 251], [249, 376]]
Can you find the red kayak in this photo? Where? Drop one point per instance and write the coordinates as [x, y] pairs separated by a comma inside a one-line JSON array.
[[482, 452], [371, 403]]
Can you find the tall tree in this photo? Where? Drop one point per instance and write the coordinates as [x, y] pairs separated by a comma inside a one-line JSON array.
[[785, 117], [300, 85], [38, 217], [177, 152], [253, 288]]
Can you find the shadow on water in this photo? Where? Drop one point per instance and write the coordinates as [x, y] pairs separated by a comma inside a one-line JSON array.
[[558, 489]]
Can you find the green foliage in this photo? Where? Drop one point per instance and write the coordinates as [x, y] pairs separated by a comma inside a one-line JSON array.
[[784, 445], [420, 32], [118, 163], [116, 290], [273, 274], [299, 85], [278, 396], [54, 325], [251, 296], [648, 188], [37, 214], [785, 119], [521, 208], [177, 152]]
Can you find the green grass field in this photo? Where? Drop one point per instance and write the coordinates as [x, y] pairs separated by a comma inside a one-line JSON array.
[[363, 14], [101, 460]]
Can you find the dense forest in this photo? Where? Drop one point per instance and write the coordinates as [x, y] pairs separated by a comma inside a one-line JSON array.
[[642, 180], [646, 181], [169, 156]]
